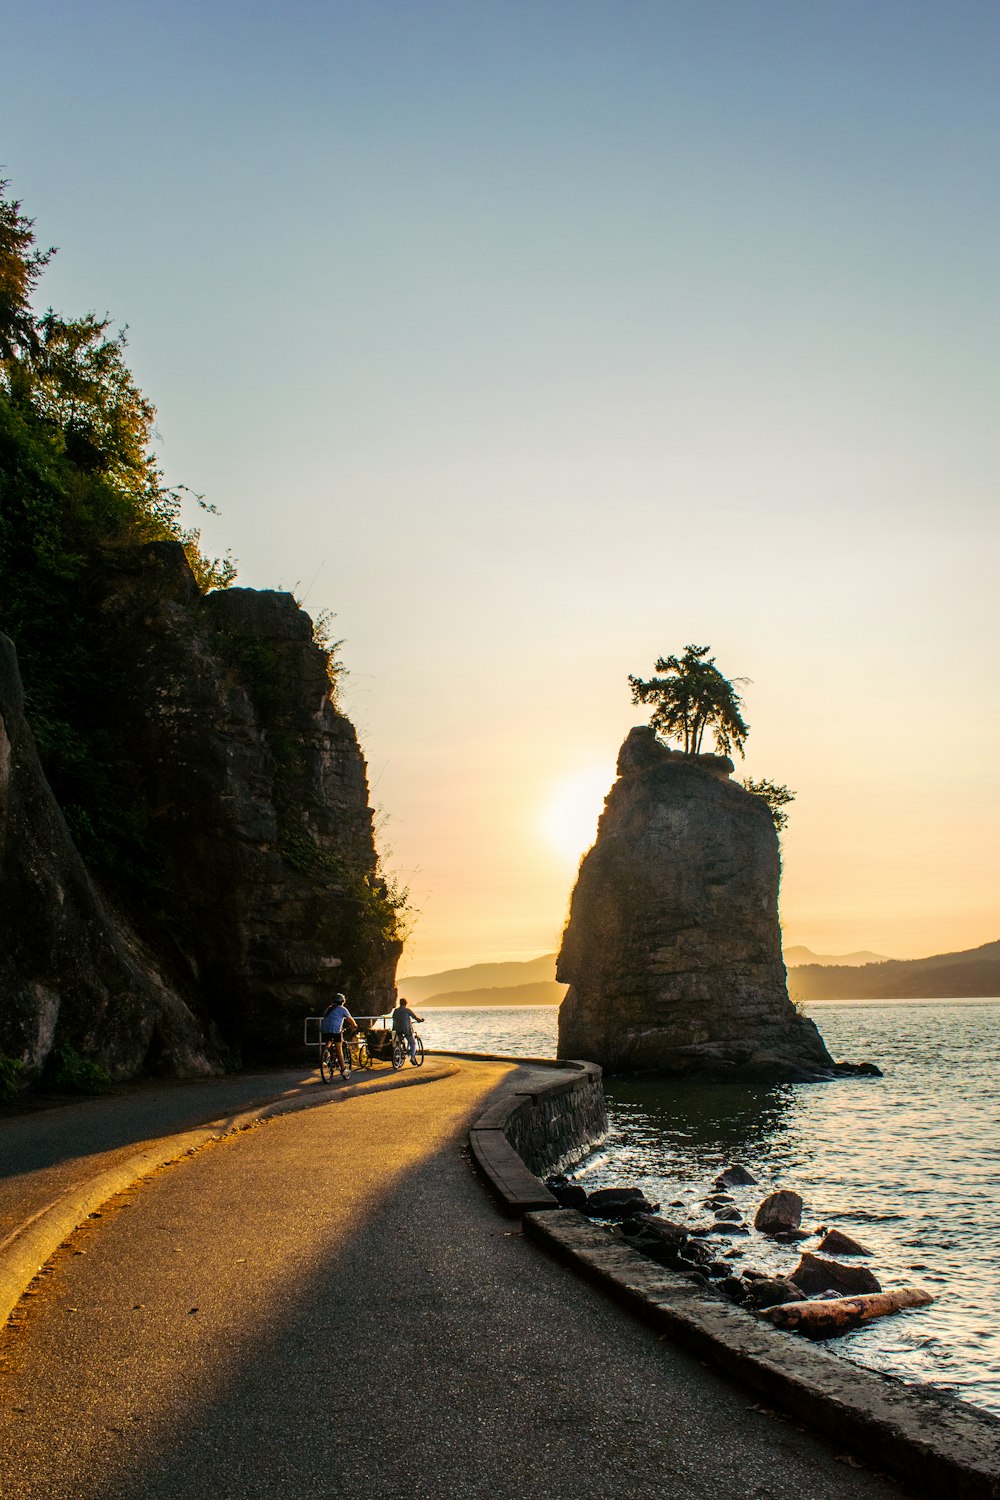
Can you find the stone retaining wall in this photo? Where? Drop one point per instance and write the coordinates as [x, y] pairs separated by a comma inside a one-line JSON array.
[[555, 1123], [536, 1129]]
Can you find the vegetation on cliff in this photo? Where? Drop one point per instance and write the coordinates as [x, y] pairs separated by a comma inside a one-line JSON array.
[[78, 478], [693, 696]]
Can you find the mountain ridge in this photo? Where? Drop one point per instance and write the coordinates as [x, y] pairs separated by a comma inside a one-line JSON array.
[[849, 976], [969, 973]]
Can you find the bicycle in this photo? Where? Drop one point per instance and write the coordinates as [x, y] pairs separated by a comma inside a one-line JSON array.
[[329, 1067], [401, 1050], [356, 1055]]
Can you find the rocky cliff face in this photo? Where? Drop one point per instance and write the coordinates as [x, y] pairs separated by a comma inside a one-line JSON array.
[[70, 970], [673, 950], [258, 893]]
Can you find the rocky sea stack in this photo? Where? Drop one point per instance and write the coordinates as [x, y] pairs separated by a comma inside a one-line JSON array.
[[673, 949]]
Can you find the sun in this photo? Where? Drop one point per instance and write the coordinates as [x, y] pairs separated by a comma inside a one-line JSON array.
[[569, 817]]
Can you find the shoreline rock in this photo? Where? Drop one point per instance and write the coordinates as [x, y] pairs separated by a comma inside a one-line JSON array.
[[672, 951]]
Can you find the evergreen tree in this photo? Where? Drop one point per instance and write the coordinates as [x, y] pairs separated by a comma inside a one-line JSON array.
[[691, 697]]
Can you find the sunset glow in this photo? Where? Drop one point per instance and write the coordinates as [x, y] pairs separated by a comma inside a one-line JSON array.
[[535, 341], [570, 819]]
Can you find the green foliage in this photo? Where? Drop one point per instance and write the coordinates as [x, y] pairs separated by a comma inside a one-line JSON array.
[[66, 1072], [323, 637], [20, 267], [79, 473], [382, 904], [776, 796], [692, 697], [77, 480], [385, 907], [10, 1072]]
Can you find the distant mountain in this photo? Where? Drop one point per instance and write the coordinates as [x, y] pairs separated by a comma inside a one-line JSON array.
[[945, 976], [542, 992], [420, 987], [795, 956], [812, 976]]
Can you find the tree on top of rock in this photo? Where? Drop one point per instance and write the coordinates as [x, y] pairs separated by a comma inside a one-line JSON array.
[[689, 698]]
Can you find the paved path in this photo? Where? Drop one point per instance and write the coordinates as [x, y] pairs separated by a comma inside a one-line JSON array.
[[46, 1152], [331, 1305]]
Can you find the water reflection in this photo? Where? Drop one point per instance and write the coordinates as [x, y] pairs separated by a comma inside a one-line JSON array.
[[705, 1125], [907, 1164]]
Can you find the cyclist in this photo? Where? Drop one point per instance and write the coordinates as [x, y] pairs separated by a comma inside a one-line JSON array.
[[402, 1024], [331, 1028]]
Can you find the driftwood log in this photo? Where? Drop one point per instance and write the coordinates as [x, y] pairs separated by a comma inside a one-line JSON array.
[[835, 1315]]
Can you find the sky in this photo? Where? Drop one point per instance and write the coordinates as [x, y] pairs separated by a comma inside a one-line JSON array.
[[537, 340]]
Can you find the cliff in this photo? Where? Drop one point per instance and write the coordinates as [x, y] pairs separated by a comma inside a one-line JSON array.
[[245, 871], [70, 971], [672, 950]]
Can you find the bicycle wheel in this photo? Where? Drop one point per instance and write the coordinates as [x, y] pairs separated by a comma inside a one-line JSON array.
[[327, 1063], [398, 1054], [418, 1052], [364, 1056]]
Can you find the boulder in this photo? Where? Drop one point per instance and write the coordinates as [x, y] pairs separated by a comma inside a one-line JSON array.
[[857, 1070], [699, 1252], [569, 1195], [779, 1213], [773, 1291], [672, 952], [813, 1274], [654, 1226], [618, 1203], [836, 1243], [659, 1239], [735, 1176]]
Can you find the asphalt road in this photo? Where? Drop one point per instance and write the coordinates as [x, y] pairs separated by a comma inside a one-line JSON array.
[[330, 1305], [44, 1152]]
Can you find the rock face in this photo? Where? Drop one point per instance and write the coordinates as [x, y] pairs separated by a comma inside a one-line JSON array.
[[258, 894], [69, 968], [673, 950]]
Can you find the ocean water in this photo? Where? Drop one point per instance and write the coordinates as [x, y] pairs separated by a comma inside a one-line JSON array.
[[908, 1164]]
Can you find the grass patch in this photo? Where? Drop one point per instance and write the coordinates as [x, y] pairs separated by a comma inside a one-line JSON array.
[[66, 1072], [10, 1071]]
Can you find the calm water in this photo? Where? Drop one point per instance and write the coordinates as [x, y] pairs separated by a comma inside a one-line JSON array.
[[909, 1164]]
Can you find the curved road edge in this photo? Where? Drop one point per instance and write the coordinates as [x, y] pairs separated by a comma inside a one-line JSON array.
[[26, 1250]]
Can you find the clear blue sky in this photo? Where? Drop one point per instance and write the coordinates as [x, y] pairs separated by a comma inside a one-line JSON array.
[[538, 339]]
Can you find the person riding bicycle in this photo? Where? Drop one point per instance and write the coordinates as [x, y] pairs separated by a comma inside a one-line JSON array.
[[331, 1028], [402, 1024]]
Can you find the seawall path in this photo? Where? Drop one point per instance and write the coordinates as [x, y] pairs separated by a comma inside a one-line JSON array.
[[332, 1303]]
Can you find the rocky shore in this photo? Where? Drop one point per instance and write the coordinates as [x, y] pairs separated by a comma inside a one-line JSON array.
[[828, 1291]]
